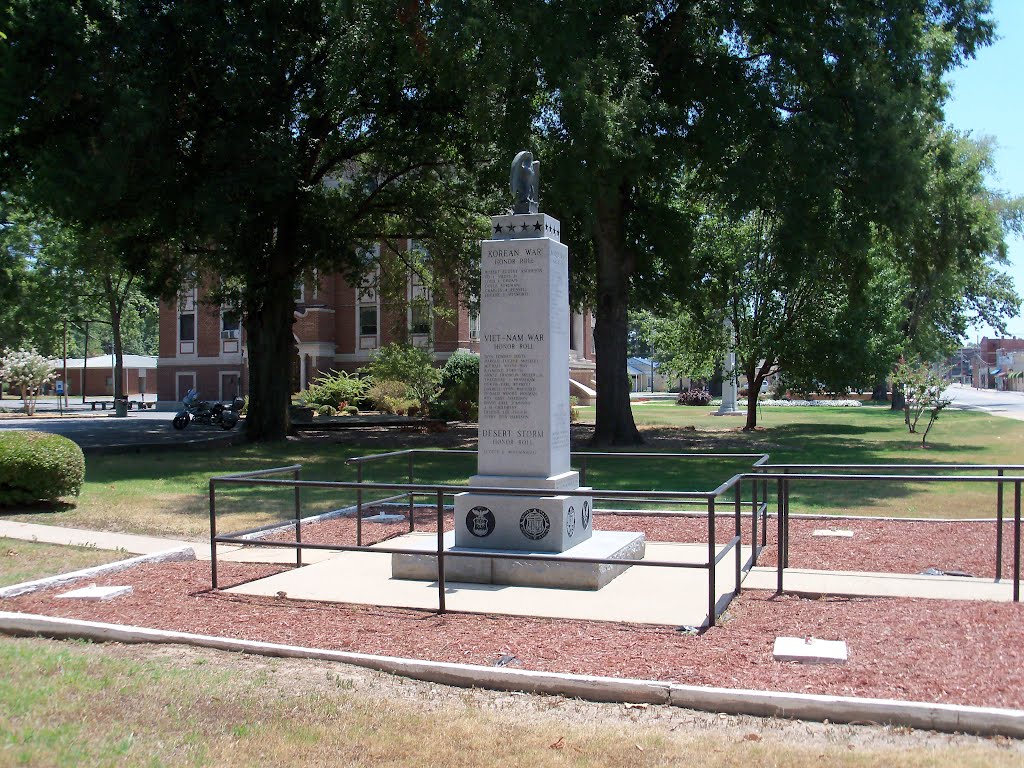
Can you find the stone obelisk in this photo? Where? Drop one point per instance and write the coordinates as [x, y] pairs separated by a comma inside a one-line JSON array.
[[524, 386]]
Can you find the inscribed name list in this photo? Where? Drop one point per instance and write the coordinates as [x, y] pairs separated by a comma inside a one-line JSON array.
[[523, 319]]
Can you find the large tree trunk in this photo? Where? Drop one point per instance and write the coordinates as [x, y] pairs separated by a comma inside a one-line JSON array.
[[754, 382], [271, 347], [614, 423]]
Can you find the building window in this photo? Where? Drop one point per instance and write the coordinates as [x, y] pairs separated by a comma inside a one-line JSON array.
[[474, 326], [300, 291], [230, 325], [368, 320], [419, 319], [187, 327]]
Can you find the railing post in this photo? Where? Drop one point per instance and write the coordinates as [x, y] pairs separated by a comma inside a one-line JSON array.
[[753, 522], [213, 534], [440, 552], [712, 587], [359, 505], [785, 525], [412, 520], [764, 520], [999, 529], [738, 514], [298, 520], [779, 484], [1016, 541]]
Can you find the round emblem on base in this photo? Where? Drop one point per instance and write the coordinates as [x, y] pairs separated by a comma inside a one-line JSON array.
[[570, 523], [586, 515], [480, 521], [534, 524]]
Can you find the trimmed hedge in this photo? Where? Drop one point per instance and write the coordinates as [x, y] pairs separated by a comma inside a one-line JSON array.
[[38, 466]]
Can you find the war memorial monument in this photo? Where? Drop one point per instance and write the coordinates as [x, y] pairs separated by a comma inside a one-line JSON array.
[[524, 419]]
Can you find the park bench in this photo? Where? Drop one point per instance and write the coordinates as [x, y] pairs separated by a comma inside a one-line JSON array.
[[140, 404]]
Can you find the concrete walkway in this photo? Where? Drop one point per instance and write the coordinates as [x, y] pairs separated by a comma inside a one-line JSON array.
[[655, 595]]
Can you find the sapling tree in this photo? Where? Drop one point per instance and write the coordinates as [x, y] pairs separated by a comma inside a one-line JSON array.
[[922, 388], [28, 371]]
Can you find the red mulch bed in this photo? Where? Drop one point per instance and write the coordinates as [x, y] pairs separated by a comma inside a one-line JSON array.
[[886, 546], [924, 650]]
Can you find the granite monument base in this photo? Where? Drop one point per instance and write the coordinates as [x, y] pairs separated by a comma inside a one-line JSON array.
[[527, 523], [555, 574]]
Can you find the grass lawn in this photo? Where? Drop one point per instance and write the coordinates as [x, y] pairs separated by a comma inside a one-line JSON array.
[[81, 704], [166, 493], [27, 560]]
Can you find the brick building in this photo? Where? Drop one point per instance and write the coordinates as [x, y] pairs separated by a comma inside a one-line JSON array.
[[999, 364], [95, 376], [338, 326]]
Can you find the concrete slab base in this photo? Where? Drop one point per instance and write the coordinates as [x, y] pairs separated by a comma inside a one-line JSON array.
[[642, 595], [810, 650], [524, 573], [384, 517]]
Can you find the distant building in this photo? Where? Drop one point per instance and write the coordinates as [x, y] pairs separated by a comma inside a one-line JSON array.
[[338, 326], [999, 364], [94, 376]]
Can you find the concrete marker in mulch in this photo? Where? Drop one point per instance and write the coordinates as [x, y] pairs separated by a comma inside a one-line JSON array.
[[985, 721], [167, 556]]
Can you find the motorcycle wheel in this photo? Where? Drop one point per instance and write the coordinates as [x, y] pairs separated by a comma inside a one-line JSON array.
[[180, 421], [228, 419]]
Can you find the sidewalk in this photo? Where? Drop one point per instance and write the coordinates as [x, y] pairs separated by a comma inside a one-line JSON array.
[[809, 583]]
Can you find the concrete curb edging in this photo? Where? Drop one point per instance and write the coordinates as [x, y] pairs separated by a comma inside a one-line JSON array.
[[166, 556], [985, 721]]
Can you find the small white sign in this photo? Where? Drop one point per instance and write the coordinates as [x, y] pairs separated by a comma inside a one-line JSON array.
[[810, 650]]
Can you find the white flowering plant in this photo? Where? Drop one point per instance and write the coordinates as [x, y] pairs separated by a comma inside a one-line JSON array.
[[27, 370]]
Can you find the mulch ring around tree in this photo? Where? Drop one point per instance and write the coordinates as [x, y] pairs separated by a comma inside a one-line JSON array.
[[955, 652]]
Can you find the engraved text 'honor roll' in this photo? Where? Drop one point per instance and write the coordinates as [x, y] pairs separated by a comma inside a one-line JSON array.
[[524, 349]]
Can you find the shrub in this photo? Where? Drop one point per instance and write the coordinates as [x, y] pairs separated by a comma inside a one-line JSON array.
[[390, 396], [460, 385], [349, 410], [326, 410], [411, 366], [38, 466], [337, 389], [574, 409], [694, 397]]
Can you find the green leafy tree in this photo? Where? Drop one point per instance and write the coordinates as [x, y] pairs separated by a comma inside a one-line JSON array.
[[805, 111], [922, 388], [256, 142]]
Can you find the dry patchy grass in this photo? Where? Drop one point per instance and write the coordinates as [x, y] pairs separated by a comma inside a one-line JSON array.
[[75, 703], [27, 560]]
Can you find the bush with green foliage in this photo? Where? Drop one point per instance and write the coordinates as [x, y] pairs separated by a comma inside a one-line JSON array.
[[326, 410], [391, 397], [38, 466], [408, 365], [336, 389], [574, 409], [460, 387]]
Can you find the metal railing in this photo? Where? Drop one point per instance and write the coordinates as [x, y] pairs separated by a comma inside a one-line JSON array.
[[708, 501], [785, 474]]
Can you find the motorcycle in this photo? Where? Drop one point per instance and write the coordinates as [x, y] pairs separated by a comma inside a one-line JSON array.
[[204, 412]]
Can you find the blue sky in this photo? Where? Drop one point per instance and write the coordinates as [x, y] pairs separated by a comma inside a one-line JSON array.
[[988, 100]]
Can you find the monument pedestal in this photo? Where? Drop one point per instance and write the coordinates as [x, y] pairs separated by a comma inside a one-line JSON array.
[[555, 574]]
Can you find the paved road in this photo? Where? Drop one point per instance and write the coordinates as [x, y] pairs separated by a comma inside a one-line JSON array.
[[1008, 404], [137, 429]]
